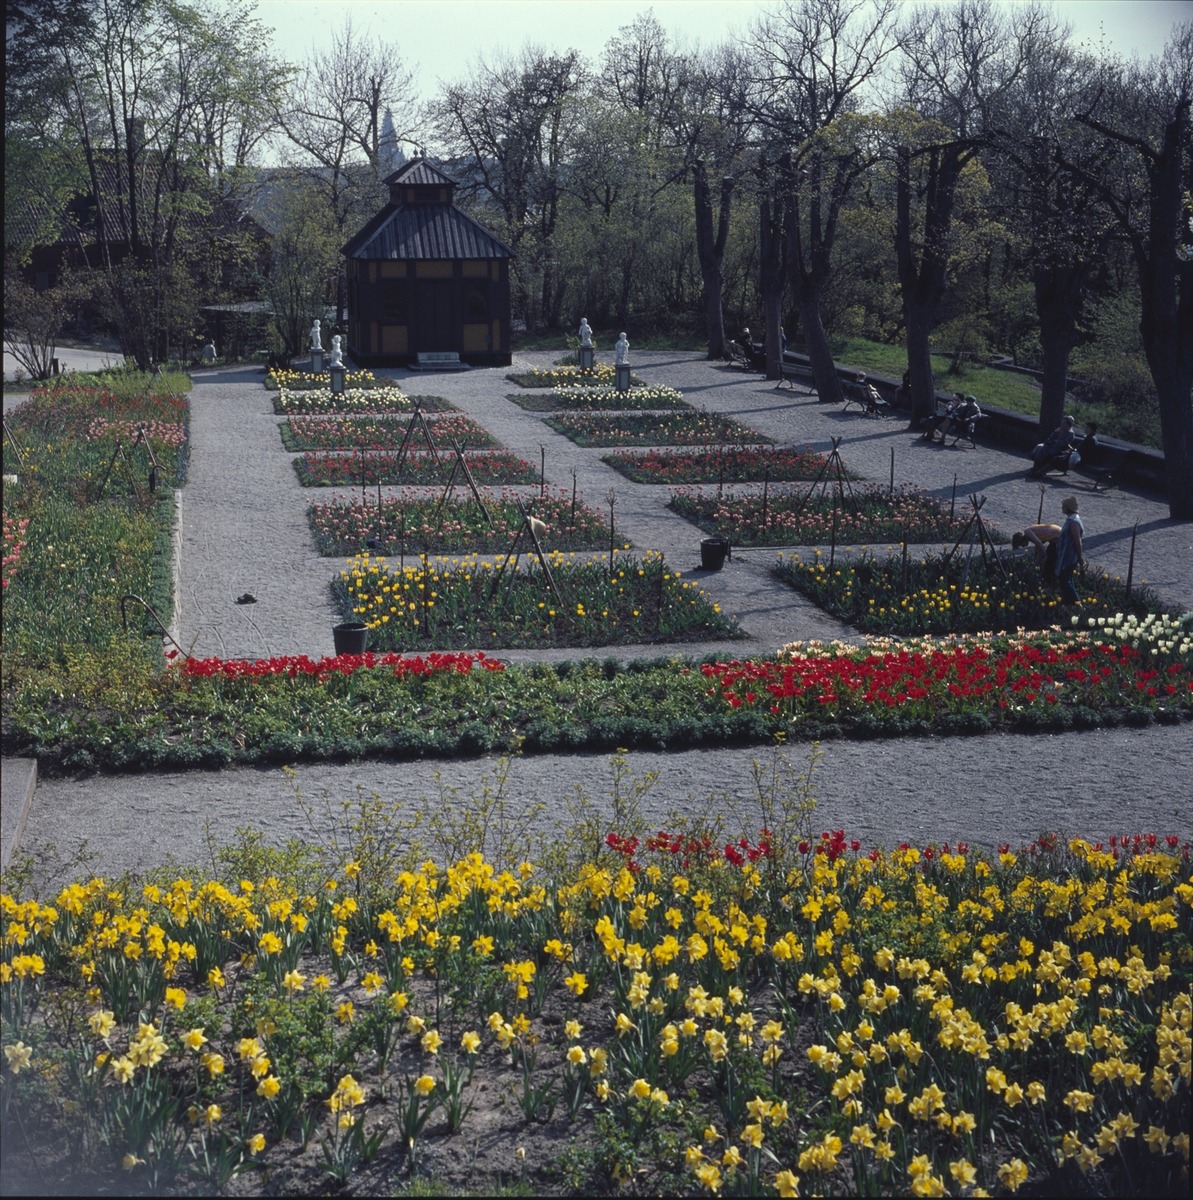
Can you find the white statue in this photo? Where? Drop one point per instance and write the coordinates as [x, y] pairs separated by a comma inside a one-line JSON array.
[[335, 359], [585, 332], [623, 350], [316, 337]]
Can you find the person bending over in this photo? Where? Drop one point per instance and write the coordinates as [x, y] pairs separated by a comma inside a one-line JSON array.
[[1043, 539]]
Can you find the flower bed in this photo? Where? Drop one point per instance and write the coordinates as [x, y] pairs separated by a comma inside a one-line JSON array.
[[608, 398], [708, 1007], [693, 428], [148, 721], [14, 543], [869, 515], [380, 400], [962, 596], [730, 464], [327, 469], [415, 522], [378, 433], [286, 380], [462, 603], [602, 375]]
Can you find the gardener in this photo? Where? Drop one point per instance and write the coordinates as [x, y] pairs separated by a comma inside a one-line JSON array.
[[1069, 554], [1043, 538]]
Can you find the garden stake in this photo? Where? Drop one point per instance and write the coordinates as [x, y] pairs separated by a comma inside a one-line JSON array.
[[1040, 514], [8, 433], [903, 578], [1131, 562], [765, 488], [832, 550], [612, 502], [721, 483], [658, 617], [891, 491], [542, 471], [953, 501], [426, 589], [539, 551], [476, 492], [402, 544], [572, 535]]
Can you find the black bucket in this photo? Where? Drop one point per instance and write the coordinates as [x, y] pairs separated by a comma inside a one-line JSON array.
[[350, 638], [713, 552]]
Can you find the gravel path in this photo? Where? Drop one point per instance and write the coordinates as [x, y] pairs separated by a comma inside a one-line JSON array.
[[244, 526], [983, 790]]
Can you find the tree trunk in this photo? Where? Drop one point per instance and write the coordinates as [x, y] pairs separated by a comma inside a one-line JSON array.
[[773, 276], [1059, 288], [824, 370], [710, 249], [922, 283]]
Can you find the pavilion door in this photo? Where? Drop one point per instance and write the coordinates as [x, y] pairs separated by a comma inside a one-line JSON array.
[[435, 331]]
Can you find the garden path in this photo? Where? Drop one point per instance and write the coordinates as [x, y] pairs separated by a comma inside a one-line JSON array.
[[244, 527], [999, 788]]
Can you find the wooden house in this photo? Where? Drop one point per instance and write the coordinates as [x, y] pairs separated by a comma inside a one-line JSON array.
[[424, 277]]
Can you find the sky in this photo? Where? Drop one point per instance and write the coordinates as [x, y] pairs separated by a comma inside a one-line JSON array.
[[440, 38]]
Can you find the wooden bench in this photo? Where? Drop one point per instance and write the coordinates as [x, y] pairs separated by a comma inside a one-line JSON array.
[[438, 360]]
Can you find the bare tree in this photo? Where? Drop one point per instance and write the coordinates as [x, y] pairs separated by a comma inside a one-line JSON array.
[[508, 126], [1141, 112], [814, 59], [960, 62], [336, 119]]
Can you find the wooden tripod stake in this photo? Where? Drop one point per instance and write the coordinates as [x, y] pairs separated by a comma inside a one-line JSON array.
[[1131, 561]]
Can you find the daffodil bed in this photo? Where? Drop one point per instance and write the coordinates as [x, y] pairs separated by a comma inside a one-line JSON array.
[[330, 469], [654, 429], [721, 464], [698, 1009], [870, 513], [415, 521], [873, 595], [458, 604], [564, 398], [303, 381], [382, 433], [388, 399], [603, 375]]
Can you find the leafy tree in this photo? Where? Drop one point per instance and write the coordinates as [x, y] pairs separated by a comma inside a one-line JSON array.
[[305, 261]]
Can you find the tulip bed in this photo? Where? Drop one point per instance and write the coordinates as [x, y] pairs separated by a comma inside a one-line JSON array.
[[730, 464], [602, 375], [572, 398], [381, 433], [388, 399], [286, 380], [873, 595], [458, 604], [415, 522], [694, 428], [869, 514], [89, 527], [704, 1009], [329, 469]]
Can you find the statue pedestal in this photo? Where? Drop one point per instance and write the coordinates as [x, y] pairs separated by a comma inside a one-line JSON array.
[[586, 358], [337, 380], [316, 362], [623, 377]]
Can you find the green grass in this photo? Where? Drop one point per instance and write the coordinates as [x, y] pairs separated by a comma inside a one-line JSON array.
[[1004, 389], [120, 381]]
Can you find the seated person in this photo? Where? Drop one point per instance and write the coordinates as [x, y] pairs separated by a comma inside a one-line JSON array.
[[1043, 538], [962, 414], [868, 395], [1089, 450], [934, 422], [1058, 442]]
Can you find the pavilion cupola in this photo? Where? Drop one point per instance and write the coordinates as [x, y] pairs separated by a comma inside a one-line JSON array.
[[417, 182]]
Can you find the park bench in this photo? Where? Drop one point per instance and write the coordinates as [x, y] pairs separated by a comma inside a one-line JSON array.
[[438, 360], [964, 431], [866, 398]]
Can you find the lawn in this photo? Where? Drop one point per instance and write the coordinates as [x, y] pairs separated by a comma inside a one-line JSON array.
[[465, 604], [329, 469], [379, 433], [695, 428], [578, 398], [794, 517], [720, 465], [416, 522]]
